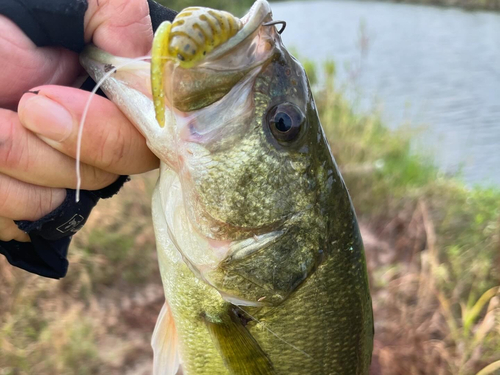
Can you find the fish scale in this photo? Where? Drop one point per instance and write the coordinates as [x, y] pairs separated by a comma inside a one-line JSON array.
[[318, 330]]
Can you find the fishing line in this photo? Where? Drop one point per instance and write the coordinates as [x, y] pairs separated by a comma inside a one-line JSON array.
[[84, 116]]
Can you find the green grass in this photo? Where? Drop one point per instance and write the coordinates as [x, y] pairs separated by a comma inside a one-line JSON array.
[[238, 8], [493, 5], [466, 4]]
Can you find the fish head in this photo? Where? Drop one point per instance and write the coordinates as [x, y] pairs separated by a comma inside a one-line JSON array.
[[252, 210]]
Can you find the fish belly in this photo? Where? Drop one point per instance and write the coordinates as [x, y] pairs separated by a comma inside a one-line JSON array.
[[188, 297], [324, 327]]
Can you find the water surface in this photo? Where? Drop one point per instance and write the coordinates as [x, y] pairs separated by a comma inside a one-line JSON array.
[[431, 66]]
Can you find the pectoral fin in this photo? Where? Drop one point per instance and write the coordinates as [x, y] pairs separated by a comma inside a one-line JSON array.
[[241, 353], [165, 344]]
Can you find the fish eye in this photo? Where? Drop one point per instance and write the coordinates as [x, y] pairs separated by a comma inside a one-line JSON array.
[[285, 121]]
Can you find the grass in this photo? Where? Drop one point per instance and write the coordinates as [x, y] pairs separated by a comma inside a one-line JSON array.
[[466, 4], [237, 8], [100, 317], [472, 5], [433, 250]]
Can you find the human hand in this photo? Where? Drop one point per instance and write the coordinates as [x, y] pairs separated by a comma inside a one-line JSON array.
[[38, 143]]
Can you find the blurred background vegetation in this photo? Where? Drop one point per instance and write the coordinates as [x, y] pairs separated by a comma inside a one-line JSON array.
[[238, 8], [432, 244], [467, 4]]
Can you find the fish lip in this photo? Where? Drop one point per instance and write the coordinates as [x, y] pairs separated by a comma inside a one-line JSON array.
[[252, 21]]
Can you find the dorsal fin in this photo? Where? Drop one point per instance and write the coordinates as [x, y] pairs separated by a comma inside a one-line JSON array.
[[241, 353], [165, 344]]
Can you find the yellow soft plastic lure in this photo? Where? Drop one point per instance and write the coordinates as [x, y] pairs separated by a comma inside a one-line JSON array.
[[194, 33]]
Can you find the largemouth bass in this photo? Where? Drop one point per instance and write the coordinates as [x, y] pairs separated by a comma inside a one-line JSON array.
[[259, 250]]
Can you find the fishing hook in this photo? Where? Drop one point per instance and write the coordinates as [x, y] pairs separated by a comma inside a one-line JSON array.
[[271, 23]]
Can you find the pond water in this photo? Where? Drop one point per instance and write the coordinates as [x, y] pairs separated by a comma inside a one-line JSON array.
[[435, 68]]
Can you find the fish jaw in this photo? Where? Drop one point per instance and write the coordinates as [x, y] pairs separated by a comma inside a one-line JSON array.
[[189, 85], [126, 83], [199, 36], [133, 86]]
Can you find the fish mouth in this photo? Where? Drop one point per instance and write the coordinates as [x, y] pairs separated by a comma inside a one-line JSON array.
[[258, 14], [197, 86], [188, 82]]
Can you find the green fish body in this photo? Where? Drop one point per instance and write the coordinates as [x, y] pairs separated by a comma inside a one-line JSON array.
[[259, 249]]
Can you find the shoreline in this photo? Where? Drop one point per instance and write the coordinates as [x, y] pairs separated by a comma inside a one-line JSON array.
[[467, 5]]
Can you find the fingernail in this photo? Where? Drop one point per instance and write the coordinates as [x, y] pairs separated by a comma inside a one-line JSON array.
[[47, 118]]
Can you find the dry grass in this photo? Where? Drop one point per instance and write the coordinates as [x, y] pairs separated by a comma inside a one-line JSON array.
[[98, 320], [420, 328]]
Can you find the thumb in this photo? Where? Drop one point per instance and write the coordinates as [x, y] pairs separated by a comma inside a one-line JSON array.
[[120, 27]]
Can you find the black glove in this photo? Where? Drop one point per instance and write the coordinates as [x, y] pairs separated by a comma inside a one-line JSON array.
[[59, 23]]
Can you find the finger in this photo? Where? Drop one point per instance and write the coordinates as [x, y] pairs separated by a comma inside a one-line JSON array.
[[9, 231], [110, 142], [121, 27], [27, 158], [22, 201], [24, 65]]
